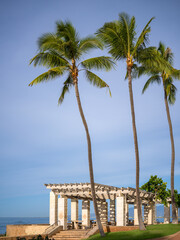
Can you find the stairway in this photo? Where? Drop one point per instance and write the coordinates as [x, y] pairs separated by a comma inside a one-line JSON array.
[[70, 235]]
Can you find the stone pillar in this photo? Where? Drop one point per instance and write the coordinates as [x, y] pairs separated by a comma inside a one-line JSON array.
[[112, 212], [136, 221], [62, 212], [177, 212], [104, 213], [146, 210], [53, 208], [74, 209], [151, 213], [167, 214], [121, 210], [86, 213]]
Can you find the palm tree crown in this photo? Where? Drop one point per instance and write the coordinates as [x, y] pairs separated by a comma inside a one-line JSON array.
[[122, 42], [159, 74], [61, 52]]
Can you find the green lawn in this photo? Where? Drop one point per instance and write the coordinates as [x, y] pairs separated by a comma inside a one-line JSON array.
[[153, 231]]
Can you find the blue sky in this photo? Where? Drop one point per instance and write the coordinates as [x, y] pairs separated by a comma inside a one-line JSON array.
[[43, 143]]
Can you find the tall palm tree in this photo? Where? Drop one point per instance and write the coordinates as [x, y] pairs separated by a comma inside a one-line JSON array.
[[61, 52], [158, 75], [122, 43]]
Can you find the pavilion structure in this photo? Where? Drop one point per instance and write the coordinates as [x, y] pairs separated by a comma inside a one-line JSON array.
[[119, 200]]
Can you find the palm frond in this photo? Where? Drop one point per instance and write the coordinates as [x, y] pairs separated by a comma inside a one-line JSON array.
[[51, 74], [49, 59], [111, 35], [161, 48], [175, 73], [70, 37], [169, 55], [67, 84], [143, 38], [89, 43], [96, 81], [132, 33], [172, 95], [152, 60], [170, 90], [143, 70], [125, 22], [66, 31], [50, 41], [124, 17], [154, 78], [101, 62], [166, 53]]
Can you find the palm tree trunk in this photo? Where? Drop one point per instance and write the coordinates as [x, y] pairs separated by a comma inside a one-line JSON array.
[[174, 215], [89, 159], [141, 224]]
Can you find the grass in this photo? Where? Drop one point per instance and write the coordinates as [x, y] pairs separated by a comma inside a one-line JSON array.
[[153, 231]]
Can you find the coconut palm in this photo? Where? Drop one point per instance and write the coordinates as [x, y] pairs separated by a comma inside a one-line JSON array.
[[123, 44], [158, 75], [61, 52]]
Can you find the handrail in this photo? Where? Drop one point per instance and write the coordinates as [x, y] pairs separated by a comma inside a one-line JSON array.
[[53, 224]]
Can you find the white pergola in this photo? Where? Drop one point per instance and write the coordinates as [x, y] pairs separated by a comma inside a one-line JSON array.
[[119, 198]]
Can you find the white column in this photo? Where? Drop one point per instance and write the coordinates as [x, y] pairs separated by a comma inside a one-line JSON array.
[[62, 212], [53, 208], [74, 209], [86, 213], [151, 213], [167, 214], [136, 221], [120, 210], [112, 212]]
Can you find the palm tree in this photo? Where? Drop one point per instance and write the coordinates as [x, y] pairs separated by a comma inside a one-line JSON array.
[[159, 74], [120, 39], [61, 53]]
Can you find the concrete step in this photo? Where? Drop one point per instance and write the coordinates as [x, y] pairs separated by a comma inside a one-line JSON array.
[[70, 235], [68, 238], [64, 234]]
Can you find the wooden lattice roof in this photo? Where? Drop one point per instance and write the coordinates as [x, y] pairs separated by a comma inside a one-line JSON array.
[[103, 192]]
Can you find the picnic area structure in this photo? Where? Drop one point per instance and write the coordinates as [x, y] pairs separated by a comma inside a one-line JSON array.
[[119, 200]]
